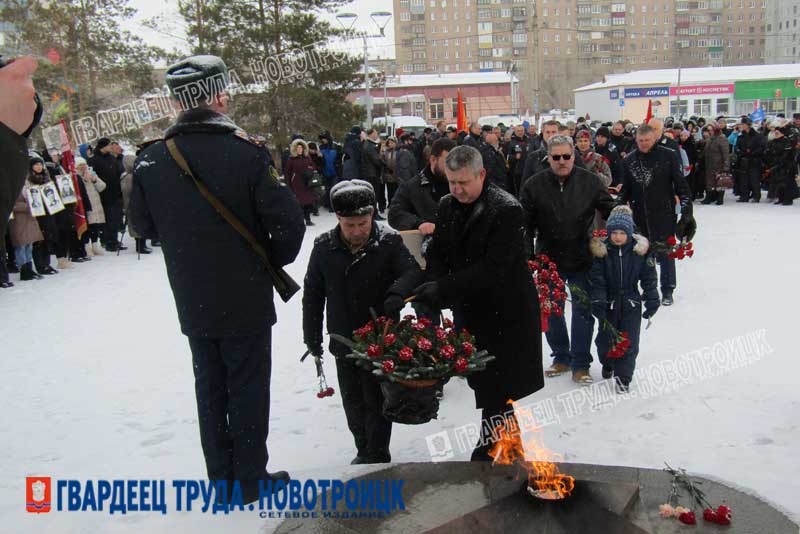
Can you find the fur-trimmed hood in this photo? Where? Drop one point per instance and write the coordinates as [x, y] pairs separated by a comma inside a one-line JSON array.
[[293, 147], [599, 245]]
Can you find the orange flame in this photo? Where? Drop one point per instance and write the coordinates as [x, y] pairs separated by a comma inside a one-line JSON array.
[[544, 479]]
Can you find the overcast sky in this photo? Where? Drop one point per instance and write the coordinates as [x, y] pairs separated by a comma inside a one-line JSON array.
[[174, 35]]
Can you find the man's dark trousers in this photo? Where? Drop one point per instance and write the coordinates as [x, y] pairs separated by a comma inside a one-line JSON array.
[[232, 381]]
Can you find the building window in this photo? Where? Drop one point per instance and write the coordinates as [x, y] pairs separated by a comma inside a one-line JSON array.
[[702, 107], [436, 105], [723, 106], [455, 102], [408, 67], [405, 16], [676, 111]]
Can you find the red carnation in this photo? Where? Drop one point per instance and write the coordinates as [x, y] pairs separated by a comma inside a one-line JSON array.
[[447, 352], [543, 276], [688, 246], [544, 259], [441, 335], [687, 518], [535, 265], [425, 321], [320, 394], [671, 255], [389, 339], [447, 323], [671, 241], [461, 365], [373, 351], [465, 332], [552, 266], [723, 515], [388, 366], [680, 254], [419, 327], [424, 343], [406, 353], [690, 252], [468, 348], [408, 317], [710, 515], [381, 320]]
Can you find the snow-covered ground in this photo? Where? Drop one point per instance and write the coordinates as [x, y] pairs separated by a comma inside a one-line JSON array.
[[97, 384]]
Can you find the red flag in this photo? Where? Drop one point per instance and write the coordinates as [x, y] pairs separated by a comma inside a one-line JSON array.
[[68, 162], [461, 118], [649, 111]]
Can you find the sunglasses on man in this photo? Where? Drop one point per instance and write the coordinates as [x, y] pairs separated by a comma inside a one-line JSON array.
[[557, 157]]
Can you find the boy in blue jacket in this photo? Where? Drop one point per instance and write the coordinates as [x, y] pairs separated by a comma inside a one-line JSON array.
[[621, 265]]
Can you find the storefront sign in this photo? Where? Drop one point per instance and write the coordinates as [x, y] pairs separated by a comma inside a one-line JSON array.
[[719, 89], [613, 94], [768, 89], [645, 92]]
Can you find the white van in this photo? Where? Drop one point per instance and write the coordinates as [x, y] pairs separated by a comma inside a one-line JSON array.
[[408, 123]]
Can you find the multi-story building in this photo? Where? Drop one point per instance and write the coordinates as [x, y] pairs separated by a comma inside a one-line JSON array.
[[782, 32], [554, 45]]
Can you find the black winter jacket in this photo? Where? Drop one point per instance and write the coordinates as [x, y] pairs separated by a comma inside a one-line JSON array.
[[347, 285], [560, 217], [479, 257], [14, 170], [220, 285], [405, 163], [371, 164], [495, 164], [651, 182], [536, 162], [416, 201], [108, 169]]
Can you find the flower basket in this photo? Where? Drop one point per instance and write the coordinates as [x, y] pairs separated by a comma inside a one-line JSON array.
[[412, 357], [408, 402]]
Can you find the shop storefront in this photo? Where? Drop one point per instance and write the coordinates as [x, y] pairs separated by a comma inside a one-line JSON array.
[[710, 100], [775, 96]]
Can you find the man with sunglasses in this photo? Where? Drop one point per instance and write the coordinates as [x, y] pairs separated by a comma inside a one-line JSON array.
[[560, 204]]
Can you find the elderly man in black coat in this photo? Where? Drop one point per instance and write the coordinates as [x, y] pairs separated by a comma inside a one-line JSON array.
[[652, 180], [354, 267], [223, 291], [560, 205], [478, 267]]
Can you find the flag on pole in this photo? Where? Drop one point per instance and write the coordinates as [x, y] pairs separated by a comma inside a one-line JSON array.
[[461, 118], [649, 111]]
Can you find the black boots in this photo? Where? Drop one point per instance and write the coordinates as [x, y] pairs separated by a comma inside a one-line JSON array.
[[141, 246], [27, 273], [710, 195], [720, 197]]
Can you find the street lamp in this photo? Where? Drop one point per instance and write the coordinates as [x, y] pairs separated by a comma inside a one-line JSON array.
[[381, 20]]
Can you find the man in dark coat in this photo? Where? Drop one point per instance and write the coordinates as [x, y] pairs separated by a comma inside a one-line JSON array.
[[416, 201], [108, 169], [653, 178], [405, 160], [372, 168], [560, 204], [618, 138], [663, 140], [750, 149], [332, 164], [494, 162], [20, 111], [351, 167], [477, 264], [516, 151], [537, 161], [473, 138], [354, 267], [222, 289]]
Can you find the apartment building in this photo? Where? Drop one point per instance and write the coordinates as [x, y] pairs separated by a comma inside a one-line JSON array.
[[782, 32], [558, 44]]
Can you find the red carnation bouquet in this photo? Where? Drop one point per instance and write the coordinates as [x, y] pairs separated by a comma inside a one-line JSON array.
[[550, 286], [721, 515], [676, 250], [415, 349]]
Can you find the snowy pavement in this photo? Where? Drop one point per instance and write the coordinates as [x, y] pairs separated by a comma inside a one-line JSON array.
[[98, 384]]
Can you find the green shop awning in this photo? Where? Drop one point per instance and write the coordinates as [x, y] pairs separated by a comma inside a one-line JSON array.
[[767, 89]]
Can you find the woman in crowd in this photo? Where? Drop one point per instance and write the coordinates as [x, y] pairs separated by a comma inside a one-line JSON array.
[[716, 161], [95, 217], [24, 232], [297, 173], [389, 155], [47, 224], [781, 164]]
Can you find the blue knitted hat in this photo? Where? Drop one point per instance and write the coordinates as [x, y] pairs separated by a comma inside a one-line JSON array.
[[621, 218]]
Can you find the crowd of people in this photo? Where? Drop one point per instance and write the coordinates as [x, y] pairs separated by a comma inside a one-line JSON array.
[[486, 202], [72, 217]]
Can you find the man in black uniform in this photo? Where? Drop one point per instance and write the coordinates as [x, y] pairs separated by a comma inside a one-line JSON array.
[[106, 165], [652, 180], [354, 267], [222, 290], [750, 148]]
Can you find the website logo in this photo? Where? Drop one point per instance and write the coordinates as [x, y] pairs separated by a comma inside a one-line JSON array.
[[37, 494]]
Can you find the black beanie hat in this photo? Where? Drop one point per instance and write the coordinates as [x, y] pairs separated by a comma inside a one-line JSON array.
[[351, 198]]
